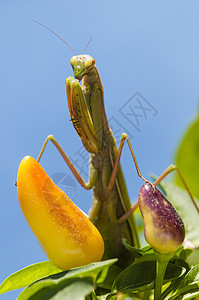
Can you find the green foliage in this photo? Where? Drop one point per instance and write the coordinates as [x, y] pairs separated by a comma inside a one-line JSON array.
[[61, 283], [133, 278], [25, 276], [189, 287], [187, 157], [81, 282], [75, 289]]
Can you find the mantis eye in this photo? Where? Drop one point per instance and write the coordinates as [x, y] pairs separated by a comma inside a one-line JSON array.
[[89, 61], [72, 61]]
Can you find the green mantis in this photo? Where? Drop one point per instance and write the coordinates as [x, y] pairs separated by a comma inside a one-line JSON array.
[[111, 210], [110, 196]]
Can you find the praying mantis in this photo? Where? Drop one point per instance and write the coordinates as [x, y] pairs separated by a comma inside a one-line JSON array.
[[111, 209]]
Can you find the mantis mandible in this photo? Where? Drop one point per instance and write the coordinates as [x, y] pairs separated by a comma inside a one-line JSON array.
[[111, 209]]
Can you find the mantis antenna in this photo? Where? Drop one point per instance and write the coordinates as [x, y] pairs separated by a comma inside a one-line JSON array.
[[87, 45], [57, 35]]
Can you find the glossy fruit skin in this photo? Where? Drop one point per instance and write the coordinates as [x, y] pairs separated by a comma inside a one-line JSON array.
[[65, 234], [164, 228]]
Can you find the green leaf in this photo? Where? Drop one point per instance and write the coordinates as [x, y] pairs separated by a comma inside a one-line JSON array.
[[55, 282], [185, 253], [137, 252], [187, 158], [143, 272], [188, 290], [108, 276], [172, 287], [135, 276], [24, 277], [189, 286], [76, 289], [193, 295], [192, 275]]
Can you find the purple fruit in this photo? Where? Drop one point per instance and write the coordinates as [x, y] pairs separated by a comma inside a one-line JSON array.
[[163, 227]]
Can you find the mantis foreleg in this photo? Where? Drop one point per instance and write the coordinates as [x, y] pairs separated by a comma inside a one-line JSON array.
[[92, 175]]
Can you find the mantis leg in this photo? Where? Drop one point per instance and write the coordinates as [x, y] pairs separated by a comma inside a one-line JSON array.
[[117, 160], [92, 174], [166, 172], [170, 169]]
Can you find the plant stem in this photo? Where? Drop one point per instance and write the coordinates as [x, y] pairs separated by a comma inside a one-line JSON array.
[[161, 266]]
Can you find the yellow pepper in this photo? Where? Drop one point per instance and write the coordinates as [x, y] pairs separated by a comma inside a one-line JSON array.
[[65, 234]]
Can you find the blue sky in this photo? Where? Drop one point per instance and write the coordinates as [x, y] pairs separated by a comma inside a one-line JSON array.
[[146, 52]]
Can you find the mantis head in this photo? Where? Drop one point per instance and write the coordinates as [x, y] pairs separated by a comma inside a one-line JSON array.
[[81, 64]]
